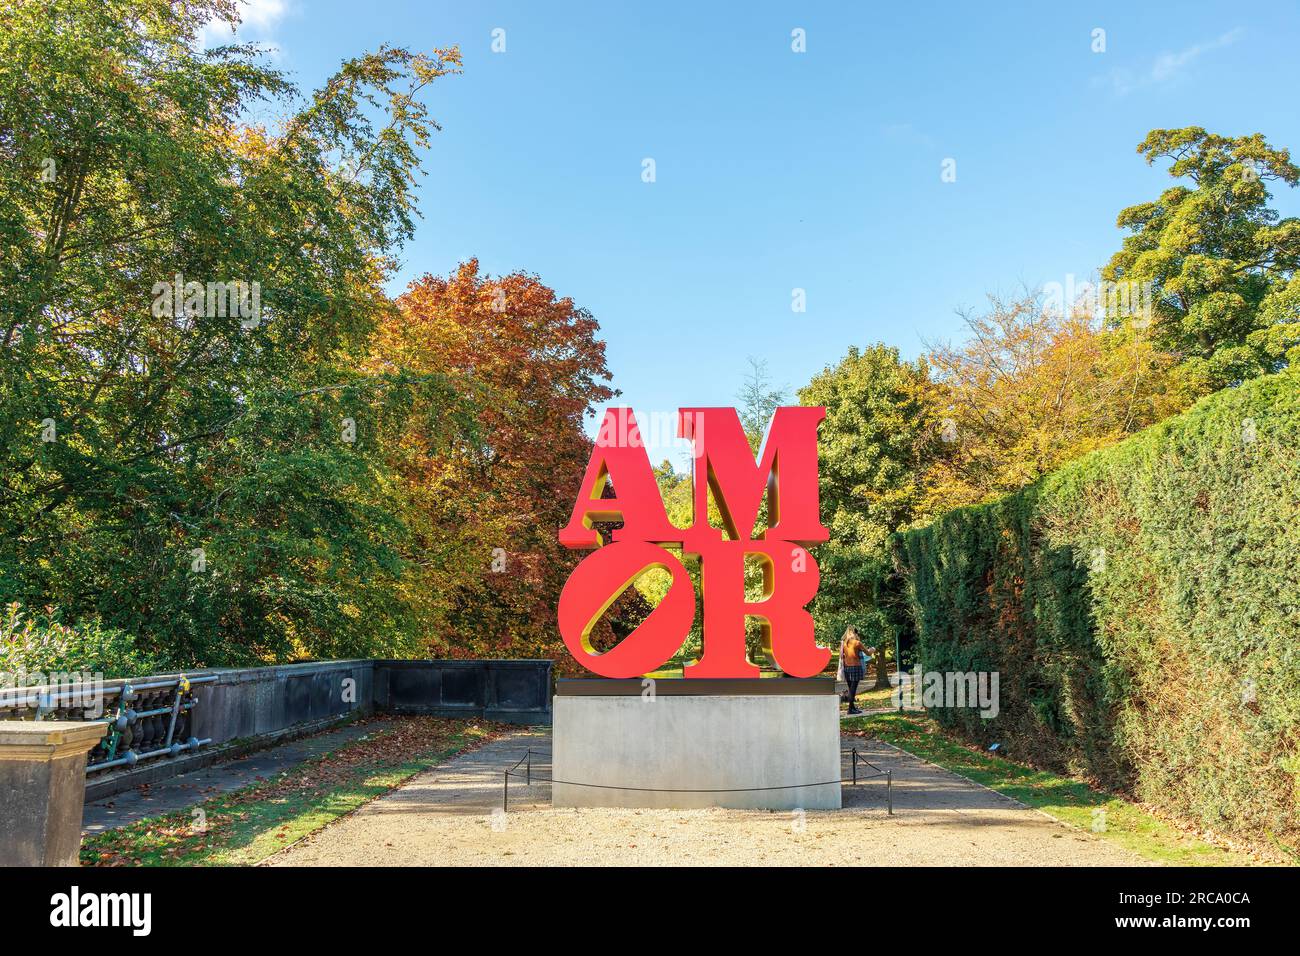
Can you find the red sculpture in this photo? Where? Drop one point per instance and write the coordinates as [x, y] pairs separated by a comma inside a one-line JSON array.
[[786, 471]]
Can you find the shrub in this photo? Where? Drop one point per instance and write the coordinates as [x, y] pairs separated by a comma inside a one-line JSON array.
[[39, 643]]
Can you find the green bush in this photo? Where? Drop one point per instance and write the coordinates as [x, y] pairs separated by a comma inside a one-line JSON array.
[[39, 643], [1142, 607]]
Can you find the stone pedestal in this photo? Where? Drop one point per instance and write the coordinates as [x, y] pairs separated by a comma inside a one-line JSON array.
[[42, 789], [771, 744]]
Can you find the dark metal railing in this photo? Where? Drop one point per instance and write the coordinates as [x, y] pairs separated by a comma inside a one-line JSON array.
[[151, 718], [527, 762], [139, 729], [888, 775]]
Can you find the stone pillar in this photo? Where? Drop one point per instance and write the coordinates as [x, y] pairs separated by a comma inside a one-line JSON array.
[[43, 789]]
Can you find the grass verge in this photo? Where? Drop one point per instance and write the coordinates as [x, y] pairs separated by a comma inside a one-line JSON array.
[[1070, 801], [245, 826]]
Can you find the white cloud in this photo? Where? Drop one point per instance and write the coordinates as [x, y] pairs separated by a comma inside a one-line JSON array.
[[1168, 67], [262, 15], [258, 20]]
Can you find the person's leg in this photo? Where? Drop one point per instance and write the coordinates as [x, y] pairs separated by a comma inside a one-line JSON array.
[[853, 695]]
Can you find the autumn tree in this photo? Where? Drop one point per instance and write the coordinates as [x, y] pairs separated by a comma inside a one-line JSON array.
[[486, 511], [1033, 385]]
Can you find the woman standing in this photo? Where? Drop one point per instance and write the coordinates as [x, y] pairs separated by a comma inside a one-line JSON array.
[[853, 659]]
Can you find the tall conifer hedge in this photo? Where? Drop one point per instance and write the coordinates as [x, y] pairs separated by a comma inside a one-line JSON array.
[[1142, 606]]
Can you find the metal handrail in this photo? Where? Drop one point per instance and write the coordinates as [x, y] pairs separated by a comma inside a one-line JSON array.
[[40, 694], [126, 717]]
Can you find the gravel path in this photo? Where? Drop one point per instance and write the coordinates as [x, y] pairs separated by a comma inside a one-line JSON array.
[[451, 816]]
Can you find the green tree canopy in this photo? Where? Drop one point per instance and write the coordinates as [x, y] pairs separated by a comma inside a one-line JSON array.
[[875, 445], [1220, 262], [202, 472]]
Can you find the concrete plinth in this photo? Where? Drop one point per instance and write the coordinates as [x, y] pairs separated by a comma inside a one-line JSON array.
[[748, 744], [42, 789]]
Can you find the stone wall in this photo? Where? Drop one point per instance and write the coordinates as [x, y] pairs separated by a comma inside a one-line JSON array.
[[516, 692], [236, 710]]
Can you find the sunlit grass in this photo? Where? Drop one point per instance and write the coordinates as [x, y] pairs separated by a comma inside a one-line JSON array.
[[245, 826], [1110, 817]]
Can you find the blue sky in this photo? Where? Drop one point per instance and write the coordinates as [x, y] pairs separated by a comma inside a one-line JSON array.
[[777, 170]]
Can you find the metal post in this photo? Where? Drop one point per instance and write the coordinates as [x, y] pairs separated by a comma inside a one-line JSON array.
[[889, 791], [898, 668], [176, 709], [898, 653], [530, 767], [855, 766], [505, 791]]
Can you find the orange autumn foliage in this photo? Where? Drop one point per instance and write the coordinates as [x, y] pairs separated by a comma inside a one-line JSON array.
[[1032, 388], [485, 510]]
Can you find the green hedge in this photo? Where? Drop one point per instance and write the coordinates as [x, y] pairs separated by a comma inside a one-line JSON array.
[[1142, 607]]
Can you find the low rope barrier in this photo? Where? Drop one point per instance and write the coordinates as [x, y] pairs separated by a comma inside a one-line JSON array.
[[527, 775]]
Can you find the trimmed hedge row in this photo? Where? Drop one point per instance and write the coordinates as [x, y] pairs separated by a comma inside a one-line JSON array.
[[1142, 607]]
